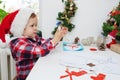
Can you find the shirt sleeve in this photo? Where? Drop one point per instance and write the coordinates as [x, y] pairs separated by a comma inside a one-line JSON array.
[[21, 49]]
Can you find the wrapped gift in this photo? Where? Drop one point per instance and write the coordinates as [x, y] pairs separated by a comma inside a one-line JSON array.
[[115, 48]]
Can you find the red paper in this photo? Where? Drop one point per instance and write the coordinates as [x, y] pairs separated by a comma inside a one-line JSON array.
[[73, 73], [98, 77]]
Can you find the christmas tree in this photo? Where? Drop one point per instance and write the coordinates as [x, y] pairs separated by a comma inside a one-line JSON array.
[[113, 23]]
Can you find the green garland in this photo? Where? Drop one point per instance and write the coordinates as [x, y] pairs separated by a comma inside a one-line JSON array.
[[65, 16]]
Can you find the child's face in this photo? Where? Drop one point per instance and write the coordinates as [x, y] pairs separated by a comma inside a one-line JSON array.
[[31, 28]]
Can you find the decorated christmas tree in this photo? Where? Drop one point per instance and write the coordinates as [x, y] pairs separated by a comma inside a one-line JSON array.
[[64, 17], [113, 23]]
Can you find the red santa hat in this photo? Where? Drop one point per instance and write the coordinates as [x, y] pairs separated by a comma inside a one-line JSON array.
[[14, 23]]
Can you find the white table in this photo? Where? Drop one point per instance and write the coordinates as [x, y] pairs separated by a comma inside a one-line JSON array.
[[48, 67]]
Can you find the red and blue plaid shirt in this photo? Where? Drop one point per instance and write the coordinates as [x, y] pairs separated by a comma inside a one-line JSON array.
[[26, 52]]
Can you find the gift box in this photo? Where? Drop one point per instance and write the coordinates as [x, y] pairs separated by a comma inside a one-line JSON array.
[[115, 48]]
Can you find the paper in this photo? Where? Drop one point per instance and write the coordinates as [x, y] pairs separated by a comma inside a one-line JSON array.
[[91, 63], [67, 46]]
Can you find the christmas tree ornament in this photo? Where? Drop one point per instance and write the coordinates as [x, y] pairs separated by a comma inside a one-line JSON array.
[[76, 40], [102, 47], [111, 38]]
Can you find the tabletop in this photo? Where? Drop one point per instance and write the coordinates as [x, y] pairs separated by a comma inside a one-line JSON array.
[[63, 65]]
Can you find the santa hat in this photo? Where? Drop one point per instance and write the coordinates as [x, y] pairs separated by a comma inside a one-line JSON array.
[[14, 23], [111, 38]]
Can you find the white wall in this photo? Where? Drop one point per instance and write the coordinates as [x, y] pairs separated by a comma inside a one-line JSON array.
[[88, 20]]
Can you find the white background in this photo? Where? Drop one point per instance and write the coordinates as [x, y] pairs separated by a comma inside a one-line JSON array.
[[89, 17]]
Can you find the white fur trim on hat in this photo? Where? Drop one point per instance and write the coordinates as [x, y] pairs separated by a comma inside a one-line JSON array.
[[20, 21]]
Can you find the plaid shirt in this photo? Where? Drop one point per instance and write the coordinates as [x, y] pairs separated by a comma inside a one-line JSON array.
[[26, 52]]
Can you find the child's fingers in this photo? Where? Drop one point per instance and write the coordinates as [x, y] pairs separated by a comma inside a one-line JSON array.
[[64, 28]]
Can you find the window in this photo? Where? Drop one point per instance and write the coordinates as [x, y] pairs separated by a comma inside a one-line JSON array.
[[9, 5]]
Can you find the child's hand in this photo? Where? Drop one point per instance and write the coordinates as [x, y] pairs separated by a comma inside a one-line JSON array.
[[64, 31], [60, 33]]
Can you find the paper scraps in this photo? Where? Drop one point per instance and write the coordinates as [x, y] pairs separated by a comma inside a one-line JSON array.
[[100, 76], [73, 73]]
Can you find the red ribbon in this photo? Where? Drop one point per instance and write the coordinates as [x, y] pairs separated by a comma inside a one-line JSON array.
[[114, 12], [80, 73]]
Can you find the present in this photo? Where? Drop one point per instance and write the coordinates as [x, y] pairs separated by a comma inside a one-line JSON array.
[[115, 48]]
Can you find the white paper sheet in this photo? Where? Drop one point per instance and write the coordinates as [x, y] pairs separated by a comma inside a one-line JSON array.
[[101, 63]]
